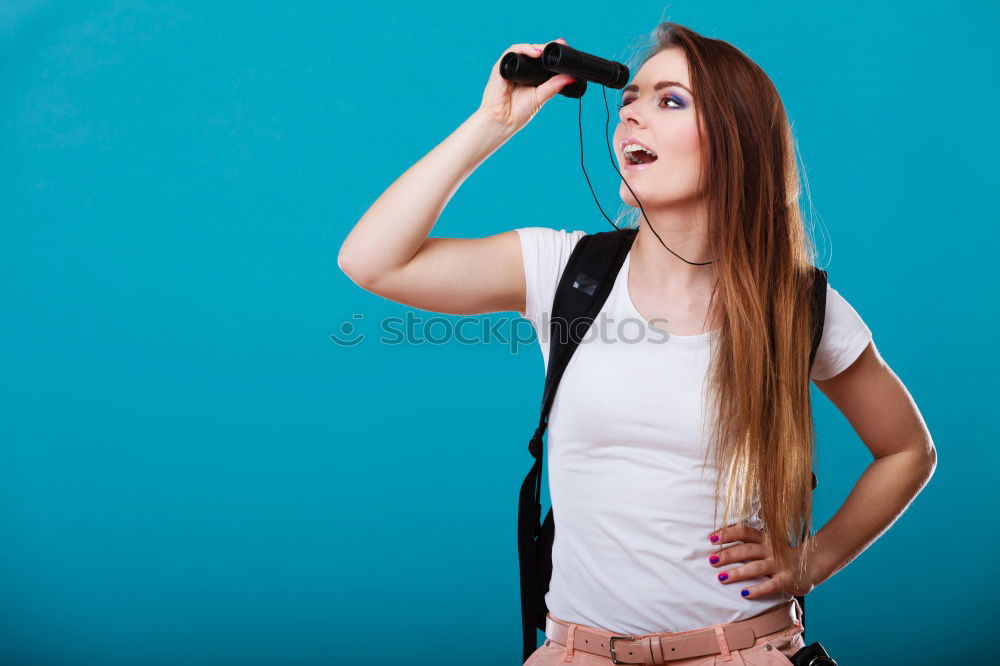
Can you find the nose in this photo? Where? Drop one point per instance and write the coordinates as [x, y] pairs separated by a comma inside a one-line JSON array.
[[630, 116]]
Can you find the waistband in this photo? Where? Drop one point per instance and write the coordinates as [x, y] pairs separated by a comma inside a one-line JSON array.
[[672, 646]]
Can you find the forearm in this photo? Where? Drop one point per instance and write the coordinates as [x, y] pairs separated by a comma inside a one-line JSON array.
[[396, 225], [879, 497]]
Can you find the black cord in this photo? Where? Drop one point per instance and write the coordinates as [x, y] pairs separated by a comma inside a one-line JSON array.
[[614, 163]]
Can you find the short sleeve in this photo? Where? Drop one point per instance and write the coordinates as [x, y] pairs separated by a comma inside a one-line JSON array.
[[845, 336], [545, 253]]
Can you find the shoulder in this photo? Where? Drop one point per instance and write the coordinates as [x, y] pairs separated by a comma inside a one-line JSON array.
[[545, 252], [845, 335], [547, 239]]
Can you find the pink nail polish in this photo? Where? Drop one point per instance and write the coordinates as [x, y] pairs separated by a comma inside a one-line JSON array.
[[714, 559], [714, 538], [723, 576]]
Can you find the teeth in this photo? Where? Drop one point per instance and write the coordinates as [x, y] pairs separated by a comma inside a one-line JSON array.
[[632, 147]]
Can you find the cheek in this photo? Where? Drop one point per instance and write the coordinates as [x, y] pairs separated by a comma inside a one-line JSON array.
[[687, 140]]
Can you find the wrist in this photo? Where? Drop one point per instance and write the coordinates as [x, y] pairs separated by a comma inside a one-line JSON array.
[[491, 129], [819, 565]]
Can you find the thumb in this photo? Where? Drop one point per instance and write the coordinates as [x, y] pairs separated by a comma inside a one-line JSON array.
[[549, 89]]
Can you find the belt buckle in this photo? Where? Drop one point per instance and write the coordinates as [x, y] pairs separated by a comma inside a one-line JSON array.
[[614, 659]]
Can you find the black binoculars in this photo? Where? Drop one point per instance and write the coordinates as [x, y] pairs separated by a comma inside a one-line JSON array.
[[558, 58]]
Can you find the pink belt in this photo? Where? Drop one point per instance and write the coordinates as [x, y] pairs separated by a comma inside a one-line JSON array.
[[672, 646]]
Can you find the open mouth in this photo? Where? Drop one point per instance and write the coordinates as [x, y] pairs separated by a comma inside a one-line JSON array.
[[635, 155]]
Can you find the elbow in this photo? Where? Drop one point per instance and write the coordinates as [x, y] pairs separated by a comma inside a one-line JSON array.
[[919, 455], [928, 450], [344, 265], [351, 268], [926, 454], [931, 458]]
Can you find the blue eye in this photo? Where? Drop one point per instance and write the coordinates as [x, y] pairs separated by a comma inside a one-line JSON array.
[[669, 98]]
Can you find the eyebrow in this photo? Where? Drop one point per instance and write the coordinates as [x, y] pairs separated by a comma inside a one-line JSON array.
[[657, 86]]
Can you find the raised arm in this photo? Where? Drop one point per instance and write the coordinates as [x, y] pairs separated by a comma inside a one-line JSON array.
[[388, 251]]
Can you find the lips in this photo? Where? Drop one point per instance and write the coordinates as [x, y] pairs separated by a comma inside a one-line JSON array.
[[628, 166], [621, 149], [631, 139]]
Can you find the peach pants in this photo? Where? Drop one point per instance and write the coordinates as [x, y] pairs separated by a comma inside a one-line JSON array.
[[768, 650]]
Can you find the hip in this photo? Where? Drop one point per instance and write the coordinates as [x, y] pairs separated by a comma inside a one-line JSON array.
[[769, 638]]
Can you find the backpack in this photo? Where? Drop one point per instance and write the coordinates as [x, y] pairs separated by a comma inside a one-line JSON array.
[[583, 288]]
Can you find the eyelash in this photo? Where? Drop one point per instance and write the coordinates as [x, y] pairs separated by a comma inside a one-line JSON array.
[[665, 97]]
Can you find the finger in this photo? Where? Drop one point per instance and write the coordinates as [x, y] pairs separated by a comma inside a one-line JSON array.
[[717, 536], [548, 89], [560, 40], [537, 49], [532, 50], [526, 48], [766, 589], [745, 571], [731, 533], [743, 552]]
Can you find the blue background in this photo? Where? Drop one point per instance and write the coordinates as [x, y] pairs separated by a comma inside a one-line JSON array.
[[194, 473]]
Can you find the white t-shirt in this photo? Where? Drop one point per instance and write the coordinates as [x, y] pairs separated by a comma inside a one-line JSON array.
[[632, 494]]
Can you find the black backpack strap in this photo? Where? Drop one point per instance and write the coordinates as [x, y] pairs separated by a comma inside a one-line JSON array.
[[817, 304], [583, 289], [817, 311]]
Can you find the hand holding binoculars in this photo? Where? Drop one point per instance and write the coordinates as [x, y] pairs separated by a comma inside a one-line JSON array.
[[558, 58]]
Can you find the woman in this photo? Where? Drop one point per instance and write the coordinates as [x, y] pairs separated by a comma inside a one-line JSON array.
[[719, 268]]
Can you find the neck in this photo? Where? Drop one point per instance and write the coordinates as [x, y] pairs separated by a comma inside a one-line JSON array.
[[683, 230]]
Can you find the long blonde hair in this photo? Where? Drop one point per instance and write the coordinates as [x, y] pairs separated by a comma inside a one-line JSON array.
[[758, 380]]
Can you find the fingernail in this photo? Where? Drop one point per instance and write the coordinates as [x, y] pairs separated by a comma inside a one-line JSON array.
[[745, 593], [714, 559], [724, 576], [714, 538]]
